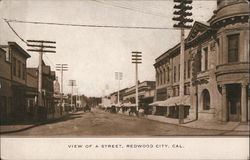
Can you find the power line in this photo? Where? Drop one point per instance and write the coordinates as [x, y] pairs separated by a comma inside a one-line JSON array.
[[90, 25], [49, 60], [15, 31], [129, 8]]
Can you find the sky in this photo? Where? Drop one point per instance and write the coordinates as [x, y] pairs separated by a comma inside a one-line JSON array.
[[95, 54]]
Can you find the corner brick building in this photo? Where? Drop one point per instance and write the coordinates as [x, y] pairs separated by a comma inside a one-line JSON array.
[[216, 67]]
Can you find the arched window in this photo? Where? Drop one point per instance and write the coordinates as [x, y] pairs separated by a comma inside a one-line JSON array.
[[206, 100]]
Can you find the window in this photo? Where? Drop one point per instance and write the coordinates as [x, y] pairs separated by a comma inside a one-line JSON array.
[[233, 48], [14, 66], [174, 73], [187, 90], [19, 69], [164, 76], [179, 73], [157, 78], [24, 71], [198, 61], [206, 100], [174, 92], [206, 58], [168, 74], [160, 77], [189, 68], [184, 70]]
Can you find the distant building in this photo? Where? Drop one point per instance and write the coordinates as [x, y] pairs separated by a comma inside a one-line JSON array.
[[216, 67], [146, 92], [56, 86], [48, 78]]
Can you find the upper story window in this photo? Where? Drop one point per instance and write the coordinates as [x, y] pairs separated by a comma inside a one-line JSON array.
[[189, 68], [14, 66], [168, 74], [24, 71], [19, 69], [205, 58], [185, 70], [187, 90], [160, 77], [179, 72], [233, 48], [164, 76], [174, 73], [198, 61]]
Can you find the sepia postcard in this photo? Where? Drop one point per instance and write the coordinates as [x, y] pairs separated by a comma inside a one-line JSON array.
[[124, 79]]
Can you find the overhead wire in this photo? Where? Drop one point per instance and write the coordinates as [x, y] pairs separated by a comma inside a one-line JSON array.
[[128, 8], [15, 31], [90, 25], [139, 8]]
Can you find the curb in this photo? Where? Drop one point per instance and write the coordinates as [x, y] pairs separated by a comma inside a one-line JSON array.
[[183, 125]]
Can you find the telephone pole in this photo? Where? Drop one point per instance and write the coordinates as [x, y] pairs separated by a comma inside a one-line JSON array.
[[41, 47], [136, 58], [118, 76], [72, 83], [61, 68], [182, 14]]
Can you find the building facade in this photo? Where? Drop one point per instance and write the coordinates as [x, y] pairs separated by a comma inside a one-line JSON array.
[[146, 92], [216, 66], [5, 86], [16, 58]]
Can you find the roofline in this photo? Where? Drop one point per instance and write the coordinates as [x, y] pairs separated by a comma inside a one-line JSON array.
[[2, 50], [177, 46], [14, 44]]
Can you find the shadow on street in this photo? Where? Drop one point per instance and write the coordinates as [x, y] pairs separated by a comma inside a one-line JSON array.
[[34, 124]]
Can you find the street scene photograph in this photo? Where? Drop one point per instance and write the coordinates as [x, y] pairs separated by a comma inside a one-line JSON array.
[[124, 68]]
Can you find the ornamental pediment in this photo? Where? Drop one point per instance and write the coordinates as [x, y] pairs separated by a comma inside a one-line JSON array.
[[197, 30]]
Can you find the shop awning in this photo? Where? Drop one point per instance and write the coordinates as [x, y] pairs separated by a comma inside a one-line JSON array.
[[185, 100], [156, 103]]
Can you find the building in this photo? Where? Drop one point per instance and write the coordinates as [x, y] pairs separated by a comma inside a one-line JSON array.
[[31, 90], [5, 86], [146, 92], [16, 58], [114, 96], [49, 108], [216, 67]]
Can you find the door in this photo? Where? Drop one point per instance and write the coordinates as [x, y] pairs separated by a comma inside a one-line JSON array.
[[234, 102], [234, 109]]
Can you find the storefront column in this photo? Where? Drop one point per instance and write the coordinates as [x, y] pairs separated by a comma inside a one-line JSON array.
[[224, 104], [243, 102]]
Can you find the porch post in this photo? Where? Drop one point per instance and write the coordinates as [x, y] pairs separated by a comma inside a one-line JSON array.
[[224, 104], [243, 102]]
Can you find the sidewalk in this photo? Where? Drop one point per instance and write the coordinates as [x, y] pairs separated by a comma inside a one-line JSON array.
[[4, 129], [225, 126]]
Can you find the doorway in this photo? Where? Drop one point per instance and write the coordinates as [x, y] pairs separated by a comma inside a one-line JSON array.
[[234, 102]]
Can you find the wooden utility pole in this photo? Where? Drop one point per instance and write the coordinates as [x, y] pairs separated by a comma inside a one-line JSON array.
[[136, 58], [182, 6], [118, 76], [41, 47], [72, 83], [61, 68]]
